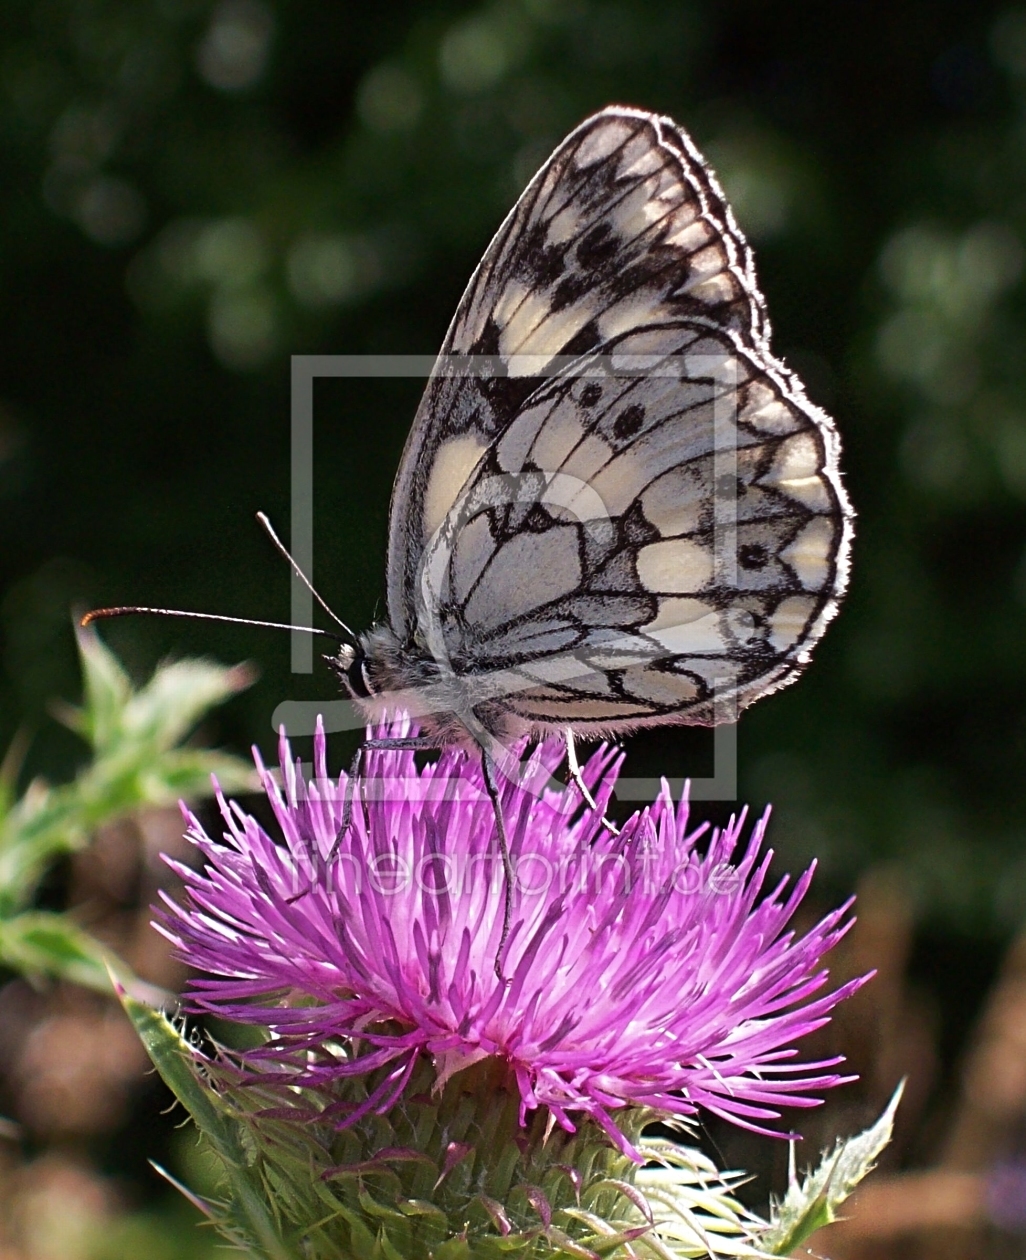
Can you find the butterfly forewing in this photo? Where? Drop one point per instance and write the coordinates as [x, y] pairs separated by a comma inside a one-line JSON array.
[[622, 227], [623, 510]]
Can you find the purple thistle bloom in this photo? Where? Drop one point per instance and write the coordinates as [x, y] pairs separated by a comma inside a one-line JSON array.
[[640, 970]]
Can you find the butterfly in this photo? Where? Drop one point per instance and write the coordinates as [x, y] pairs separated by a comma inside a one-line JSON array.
[[616, 507]]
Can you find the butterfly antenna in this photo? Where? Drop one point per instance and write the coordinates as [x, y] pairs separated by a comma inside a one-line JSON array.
[[269, 531], [98, 614]]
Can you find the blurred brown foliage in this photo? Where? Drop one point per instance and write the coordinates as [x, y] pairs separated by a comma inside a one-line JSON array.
[[71, 1065], [959, 1140]]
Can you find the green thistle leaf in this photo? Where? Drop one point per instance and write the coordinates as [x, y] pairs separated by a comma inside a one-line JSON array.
[[247, 1217], [813, 1201], [136, 765], [106, 690]]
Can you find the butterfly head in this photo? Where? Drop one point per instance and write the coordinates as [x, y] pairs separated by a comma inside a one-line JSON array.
[[384, 675]]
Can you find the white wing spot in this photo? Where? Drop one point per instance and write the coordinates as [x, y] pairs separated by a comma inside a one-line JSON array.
[[683, 626], [565, 225], [675, 502], [604, 140], [639, 159], [636, 213], [530, 342], [809, 555], [663, 689], [686, 214], [764, 411], [643, 308], [677, 567], [718, 288], [509, 302], [690, 236], [708, 262], [787, 625], [450, 472], [519, 318], [795, 471], [559, 435]]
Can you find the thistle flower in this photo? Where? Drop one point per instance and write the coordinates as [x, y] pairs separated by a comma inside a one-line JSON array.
[[650, 970]]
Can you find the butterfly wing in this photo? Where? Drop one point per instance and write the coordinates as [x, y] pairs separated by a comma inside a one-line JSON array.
[[633, 512], [659, 535], [624, 226]]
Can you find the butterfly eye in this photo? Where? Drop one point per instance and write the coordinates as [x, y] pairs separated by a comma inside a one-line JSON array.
[[350, 664], [356, 680]]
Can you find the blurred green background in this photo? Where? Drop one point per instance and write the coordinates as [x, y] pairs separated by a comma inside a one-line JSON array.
[[194, 191]]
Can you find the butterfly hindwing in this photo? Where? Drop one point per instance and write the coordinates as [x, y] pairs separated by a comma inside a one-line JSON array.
[[657, 529]]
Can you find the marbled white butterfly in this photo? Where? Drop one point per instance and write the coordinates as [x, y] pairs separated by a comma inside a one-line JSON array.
[[616, 508]]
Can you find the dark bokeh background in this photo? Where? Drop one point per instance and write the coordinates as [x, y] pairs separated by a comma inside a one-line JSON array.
[[193, 191]]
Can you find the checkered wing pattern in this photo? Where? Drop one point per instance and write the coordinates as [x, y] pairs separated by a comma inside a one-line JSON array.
[[622, 508]]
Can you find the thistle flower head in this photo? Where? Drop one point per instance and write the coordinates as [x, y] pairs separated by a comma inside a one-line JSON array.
[[653, 970]]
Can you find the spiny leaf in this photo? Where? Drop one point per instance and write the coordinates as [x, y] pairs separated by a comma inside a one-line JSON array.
[[135, 762], [813, 1201], [177, 696], [176, 1061], [106, 689], [197, 1202]]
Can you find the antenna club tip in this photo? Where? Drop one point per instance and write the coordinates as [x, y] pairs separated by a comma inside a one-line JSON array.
[[99, 614]]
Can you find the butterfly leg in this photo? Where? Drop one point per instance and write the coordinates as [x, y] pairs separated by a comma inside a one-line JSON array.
[[573, 765], [412, 742], [488, 769], [422, 742]]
